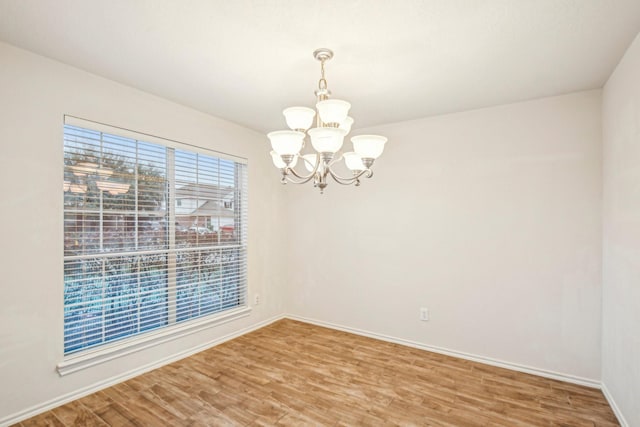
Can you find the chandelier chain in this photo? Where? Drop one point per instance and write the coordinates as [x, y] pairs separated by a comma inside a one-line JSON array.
[[322, 83]]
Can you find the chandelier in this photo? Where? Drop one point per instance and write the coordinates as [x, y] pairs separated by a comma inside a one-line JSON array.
[[332, 125]]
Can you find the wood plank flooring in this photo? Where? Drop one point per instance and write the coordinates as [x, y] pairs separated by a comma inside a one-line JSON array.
[[293, 373]]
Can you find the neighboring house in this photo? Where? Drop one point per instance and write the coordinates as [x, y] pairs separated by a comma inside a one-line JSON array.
[[205, 205], [203, 209]]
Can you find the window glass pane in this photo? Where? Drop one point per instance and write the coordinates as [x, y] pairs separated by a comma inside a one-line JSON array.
[[152, 236]]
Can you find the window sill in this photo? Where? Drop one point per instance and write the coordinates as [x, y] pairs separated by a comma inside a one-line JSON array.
[[84, 360]]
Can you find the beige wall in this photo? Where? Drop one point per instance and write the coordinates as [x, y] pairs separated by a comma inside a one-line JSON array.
[[489, 218], [621, 215], [34, 94]]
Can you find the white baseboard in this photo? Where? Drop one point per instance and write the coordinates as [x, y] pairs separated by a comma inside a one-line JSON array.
[[474, 358], [621, 419], [61, 400]]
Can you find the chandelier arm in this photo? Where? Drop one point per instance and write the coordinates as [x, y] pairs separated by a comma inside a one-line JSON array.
[[367, 173], [353, 181], [303, 179], [287, 178], [335, 160]]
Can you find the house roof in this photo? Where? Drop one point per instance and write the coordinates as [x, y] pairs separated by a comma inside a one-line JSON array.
[[210, 200], [211, 208], [203, 192]]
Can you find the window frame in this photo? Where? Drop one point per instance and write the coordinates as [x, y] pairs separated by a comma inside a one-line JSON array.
[[106, 351]]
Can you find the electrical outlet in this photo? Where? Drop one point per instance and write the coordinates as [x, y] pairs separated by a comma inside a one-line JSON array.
[[256, 299], [424, 314]]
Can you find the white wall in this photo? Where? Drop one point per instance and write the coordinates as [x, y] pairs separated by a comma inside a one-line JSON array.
[[34, 94], [490, 218], [621, 232]]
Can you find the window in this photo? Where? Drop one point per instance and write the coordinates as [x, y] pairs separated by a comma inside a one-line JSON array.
[[141, 250]]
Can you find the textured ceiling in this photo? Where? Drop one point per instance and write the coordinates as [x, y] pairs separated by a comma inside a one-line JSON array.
[[245, 60]]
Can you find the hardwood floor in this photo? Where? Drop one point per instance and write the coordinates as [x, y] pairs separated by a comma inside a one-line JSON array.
[[292, 373]]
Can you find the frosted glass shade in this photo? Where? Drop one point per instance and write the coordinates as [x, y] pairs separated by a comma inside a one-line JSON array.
[[84, 168], [279, 163], [326, 140], [104, 172], [333, 110], [113, 188], [309, 161], [286, 142], [78, 188], [346, 124], [299, 117], [369, 146], [353, 161]]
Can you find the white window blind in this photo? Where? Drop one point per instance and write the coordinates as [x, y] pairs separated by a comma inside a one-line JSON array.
[[154, 235]]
